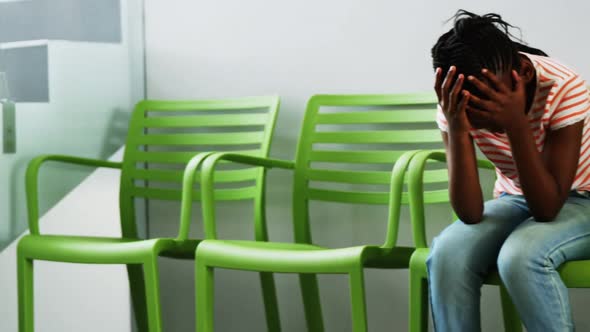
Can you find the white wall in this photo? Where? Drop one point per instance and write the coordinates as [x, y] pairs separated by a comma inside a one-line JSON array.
[[219, 48], [93, 88]]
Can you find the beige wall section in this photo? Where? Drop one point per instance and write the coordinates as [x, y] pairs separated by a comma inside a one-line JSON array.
[[74, 297], [217, 48]]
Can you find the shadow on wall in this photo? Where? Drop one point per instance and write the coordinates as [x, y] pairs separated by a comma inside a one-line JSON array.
[[16, 181], [116, 132], [56, 180]]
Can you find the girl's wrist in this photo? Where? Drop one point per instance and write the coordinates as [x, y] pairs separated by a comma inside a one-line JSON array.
[[458, 133], [517, 125]]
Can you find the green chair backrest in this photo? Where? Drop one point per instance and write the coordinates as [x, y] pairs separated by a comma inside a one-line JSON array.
[[345, 138], [164, 135]]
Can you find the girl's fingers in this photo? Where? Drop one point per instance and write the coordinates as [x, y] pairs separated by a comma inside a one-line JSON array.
[[481, 86], [438, 83], [455, 92], [464, 101], [446, 86], [500, 86], [479, 115], [481, 103], [517, 81]]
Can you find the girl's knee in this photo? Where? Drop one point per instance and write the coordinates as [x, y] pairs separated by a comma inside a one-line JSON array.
[[517, 258], [448, 256]]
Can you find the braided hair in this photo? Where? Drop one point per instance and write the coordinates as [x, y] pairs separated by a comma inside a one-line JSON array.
[[476, 42]]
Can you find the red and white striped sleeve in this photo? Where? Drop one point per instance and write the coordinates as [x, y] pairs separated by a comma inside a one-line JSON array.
[[571, 104]]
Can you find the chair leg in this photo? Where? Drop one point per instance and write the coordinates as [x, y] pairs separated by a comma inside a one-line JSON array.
[[205, 287], [511, 320], [311, 302], [418, 302], [26, 316], [271, 305], [138, 300], [358, 303], [152, 290]]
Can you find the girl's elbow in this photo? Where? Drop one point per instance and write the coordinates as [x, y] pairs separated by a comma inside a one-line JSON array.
[[469, 214], [471, 221], [545, 217], [471, 218]]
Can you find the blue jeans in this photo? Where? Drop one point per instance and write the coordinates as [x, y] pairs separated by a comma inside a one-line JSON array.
[[526, 254]]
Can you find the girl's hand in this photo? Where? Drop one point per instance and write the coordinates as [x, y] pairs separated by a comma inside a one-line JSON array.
[[448, 98], [503, 108]]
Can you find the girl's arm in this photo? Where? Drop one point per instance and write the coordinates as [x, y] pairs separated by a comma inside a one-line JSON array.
[[546, 177], [464, 187]]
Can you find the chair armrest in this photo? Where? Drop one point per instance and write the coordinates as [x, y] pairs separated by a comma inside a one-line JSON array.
[[440, 155], [416, 190], [208, 161], [208, 167], [395, 197], [32, 181]]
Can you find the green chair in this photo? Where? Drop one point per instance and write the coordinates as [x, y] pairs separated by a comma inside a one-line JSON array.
[[417, 176], [335, 133], [163, 139]]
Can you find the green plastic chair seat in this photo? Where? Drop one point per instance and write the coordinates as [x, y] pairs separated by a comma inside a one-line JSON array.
[[575, 274], [105, 250], [296, 258]]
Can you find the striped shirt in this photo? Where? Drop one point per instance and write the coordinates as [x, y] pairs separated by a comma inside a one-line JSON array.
[[561, 99]]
